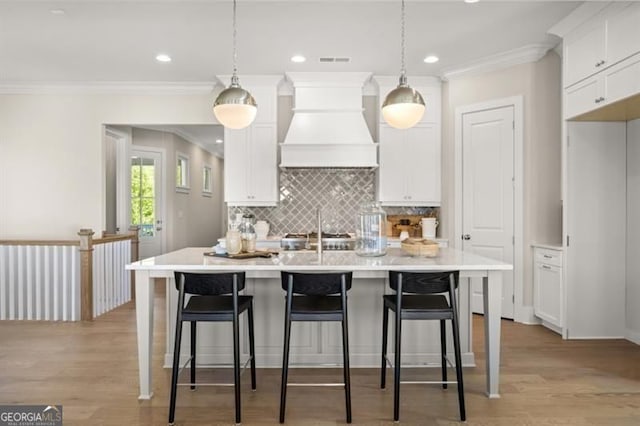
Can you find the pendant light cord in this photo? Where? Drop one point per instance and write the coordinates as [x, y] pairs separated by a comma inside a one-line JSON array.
[[402, 70], [235, 58]]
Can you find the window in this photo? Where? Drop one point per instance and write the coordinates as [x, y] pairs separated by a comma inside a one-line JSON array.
[[182, 173], [206, 181], [143, 203]]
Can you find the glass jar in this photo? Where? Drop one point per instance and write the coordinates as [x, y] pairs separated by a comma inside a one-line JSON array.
[[234, 238], [248, 233], [371, 231]]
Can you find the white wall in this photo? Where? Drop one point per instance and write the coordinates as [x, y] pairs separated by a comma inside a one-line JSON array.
[[51, 155], [539, 84], [633, 232], [191, 218]]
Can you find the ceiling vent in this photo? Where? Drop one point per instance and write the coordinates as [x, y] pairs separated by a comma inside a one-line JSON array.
[[335, 59]]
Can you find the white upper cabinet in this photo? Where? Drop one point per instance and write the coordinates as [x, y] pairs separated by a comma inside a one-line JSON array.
[[251, 154], [602, 60], [409, 173], [611, 85], [623, 33], [584, 53], [410, 162], [602, 42], [250, 169]]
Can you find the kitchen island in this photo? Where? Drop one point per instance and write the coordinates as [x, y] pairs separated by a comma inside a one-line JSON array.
[[312, 343]]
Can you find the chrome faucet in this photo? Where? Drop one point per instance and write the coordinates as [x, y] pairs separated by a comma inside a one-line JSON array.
[[319, 244]]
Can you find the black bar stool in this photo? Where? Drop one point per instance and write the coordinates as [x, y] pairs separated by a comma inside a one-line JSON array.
[[210, 301], [424, 304], [322, 297]]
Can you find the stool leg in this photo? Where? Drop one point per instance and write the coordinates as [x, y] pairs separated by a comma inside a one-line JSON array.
[[456, 347], [174, 372], [193, 354], [385, 326], [396, 370], [285, 364], [252, 347], [443, 350], [236, 362], [345, 354]]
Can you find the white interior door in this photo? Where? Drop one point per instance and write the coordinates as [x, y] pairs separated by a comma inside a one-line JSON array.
[[147, 208], [488, 194]]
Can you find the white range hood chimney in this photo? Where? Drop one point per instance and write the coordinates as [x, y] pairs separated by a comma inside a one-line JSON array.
[[328, 127]]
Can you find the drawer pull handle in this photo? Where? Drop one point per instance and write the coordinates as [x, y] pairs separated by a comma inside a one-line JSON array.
[[546, 267], [547, 256]]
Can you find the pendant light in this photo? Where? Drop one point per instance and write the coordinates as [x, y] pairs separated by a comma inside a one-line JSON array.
[[403, 107], [234, 107]]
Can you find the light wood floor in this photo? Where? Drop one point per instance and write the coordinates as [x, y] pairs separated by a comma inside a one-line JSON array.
[[91, 369]]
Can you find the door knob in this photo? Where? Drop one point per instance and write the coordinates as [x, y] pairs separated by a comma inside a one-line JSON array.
[[466, 237]]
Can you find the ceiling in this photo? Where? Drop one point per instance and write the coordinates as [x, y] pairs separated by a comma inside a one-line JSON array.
[[118, 40]]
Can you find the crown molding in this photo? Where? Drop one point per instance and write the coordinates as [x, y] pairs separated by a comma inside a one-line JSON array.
[[581, 14], [108, 88], [521, 55]]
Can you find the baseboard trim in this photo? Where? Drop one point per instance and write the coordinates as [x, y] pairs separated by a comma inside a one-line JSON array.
[[527, 316], [632, 336]]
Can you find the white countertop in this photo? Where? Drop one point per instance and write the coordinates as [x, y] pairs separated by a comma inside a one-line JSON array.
[[193, 258]]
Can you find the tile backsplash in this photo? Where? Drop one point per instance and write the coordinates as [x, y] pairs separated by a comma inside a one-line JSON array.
[[339, 192]]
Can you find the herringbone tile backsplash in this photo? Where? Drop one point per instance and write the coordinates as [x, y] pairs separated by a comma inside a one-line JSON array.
[[339, 192]]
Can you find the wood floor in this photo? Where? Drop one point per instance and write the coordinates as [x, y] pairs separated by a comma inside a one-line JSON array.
[[91, 369]]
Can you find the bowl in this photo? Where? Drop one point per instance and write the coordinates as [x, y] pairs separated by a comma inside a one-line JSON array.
[[420, 247]]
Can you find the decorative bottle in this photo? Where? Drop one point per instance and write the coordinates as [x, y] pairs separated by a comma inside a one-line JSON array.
[[234, 238], [248, 234], [371, 230]]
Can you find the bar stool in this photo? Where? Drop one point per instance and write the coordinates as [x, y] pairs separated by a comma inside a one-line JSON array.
[[210, 301], [424, 304], [322, 297]]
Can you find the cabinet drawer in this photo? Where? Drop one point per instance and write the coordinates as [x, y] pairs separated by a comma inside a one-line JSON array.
[[547, 256]]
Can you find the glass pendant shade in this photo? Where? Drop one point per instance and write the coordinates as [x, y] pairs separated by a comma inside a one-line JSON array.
[[235, 108], [403, 107]]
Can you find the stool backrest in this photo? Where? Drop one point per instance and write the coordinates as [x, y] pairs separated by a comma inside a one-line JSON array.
[[316, 284], [209, 284], [423, 282]]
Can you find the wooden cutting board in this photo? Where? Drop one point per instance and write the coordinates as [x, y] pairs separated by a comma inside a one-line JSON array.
[[242, 255]]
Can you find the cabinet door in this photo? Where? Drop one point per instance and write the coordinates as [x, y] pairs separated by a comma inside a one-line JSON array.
[[422, 165], [262, 166], [548, 293], [250, 166], [235, 174], [584, 53], [391, 173], [583, 97], [622, 80], [623, 34]]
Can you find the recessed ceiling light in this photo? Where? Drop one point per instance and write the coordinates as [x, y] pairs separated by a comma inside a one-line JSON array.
[[219, 141], [298, 58], [431, 59], [162, 57], [57, 11], [471, 1]]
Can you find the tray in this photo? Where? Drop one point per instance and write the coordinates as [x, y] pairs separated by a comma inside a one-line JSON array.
[[241, 255]]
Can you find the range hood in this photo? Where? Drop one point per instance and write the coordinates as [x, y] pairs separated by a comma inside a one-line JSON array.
[[328, 127]]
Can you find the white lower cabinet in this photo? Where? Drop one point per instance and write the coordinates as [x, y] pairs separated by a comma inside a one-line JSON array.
[[548, 288]]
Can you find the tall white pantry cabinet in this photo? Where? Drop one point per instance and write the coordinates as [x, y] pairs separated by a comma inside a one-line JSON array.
[[601, 160]]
